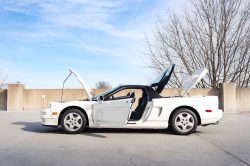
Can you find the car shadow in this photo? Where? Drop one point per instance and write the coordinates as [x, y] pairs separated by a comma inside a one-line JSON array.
[[36, 127], [127, 131]]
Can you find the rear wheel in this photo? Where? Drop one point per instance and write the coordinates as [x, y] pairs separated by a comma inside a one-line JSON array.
[[184, 122], [73, 121]]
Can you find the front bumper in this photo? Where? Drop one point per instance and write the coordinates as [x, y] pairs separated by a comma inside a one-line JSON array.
[[47, 120]]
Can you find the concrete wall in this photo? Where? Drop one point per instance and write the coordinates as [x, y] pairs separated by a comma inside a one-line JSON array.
[[16, 97], [242, 99], [3, 98], [32, 98], [228, 97]]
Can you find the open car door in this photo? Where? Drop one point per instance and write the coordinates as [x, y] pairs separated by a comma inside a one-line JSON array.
[[112, 112], [162, 80]]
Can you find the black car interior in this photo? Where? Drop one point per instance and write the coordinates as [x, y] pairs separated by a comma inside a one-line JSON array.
[[137, 114], [132, 102]]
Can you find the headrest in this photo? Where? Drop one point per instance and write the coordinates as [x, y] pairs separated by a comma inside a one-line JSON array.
[[133, 94]]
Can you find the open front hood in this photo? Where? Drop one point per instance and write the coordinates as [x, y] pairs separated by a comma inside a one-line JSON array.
[[84, 84], [193, 80]]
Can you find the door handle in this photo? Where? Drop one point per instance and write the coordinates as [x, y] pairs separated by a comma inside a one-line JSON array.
[[127, 102]]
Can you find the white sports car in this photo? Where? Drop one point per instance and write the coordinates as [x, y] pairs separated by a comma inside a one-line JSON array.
[[110, 110]]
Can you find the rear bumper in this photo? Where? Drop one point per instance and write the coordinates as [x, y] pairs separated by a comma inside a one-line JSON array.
[[204, 125], [217, 116]]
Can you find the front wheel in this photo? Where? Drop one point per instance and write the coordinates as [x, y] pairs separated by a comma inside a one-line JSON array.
[[73, 121], [184, 122]]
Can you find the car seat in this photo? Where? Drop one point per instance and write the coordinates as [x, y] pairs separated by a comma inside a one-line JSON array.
[[140, 108]]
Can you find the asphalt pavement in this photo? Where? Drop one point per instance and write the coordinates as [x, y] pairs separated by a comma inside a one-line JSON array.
[[23, 141]]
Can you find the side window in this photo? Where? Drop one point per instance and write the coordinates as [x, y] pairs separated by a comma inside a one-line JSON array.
[[123, 94]]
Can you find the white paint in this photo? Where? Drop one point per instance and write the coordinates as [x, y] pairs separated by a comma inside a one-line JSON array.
[[155, 112], [151, 118], [167, 102]]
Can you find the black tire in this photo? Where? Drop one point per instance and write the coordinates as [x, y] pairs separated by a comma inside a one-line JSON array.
[[78, 123], [185, 125]]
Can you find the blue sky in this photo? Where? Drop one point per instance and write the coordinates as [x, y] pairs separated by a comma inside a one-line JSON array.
[[99, 39]]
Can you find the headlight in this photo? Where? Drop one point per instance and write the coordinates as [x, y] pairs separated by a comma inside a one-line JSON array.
[[44, 113]]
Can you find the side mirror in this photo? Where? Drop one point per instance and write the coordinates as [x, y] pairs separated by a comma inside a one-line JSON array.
[[100, 99]]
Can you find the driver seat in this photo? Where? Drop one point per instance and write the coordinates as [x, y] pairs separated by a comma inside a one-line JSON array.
[[140, 108]]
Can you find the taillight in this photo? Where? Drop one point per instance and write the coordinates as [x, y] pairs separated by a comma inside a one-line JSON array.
[[208, 110]]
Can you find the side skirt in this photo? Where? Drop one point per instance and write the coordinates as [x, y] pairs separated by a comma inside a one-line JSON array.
[[54, 126]]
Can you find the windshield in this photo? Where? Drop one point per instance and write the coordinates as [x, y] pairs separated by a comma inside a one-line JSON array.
[[104, 93]]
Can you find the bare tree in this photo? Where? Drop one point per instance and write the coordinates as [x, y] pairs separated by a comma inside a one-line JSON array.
[[103, 85], [3, 79], [207, 33]]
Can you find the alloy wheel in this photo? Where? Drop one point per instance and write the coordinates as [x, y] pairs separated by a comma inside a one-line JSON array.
[[184, 122], [73, 121]]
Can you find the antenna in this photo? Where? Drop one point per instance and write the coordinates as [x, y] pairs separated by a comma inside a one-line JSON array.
[[63, 85]]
